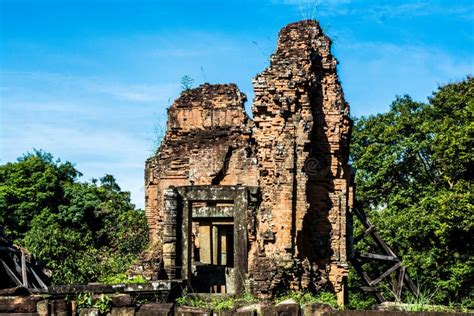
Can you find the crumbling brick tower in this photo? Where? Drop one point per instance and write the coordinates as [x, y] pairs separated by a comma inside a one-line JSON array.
[[302, 132], [233, 202]]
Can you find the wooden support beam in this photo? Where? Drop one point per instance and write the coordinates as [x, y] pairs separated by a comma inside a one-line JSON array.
[[378, 240], [11, 274], [38, 279], [358, 267], [386, 273], [380, 243], [364, 234], [386, 255], [411, 285], [369, 289], [8, 249], [376, 256], [399, 283], [24, 276]]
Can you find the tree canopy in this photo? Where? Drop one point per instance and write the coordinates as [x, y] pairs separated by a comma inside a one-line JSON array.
[[82, 231], [414, 179]]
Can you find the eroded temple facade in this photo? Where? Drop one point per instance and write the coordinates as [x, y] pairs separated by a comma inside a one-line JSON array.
[[261, 203]]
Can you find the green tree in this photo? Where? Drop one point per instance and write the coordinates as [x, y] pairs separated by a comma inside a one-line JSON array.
[[82, 231], [414, 179], [28, 186]]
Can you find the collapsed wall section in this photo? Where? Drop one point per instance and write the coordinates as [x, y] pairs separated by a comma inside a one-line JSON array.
[[207, 142]]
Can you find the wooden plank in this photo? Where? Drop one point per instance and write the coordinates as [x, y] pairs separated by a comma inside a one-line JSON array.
[[376, 256], [386, 273], [361, 217], [222, 246], [358, 267], [380, 243], [378, 240], [17, 266], [9, 249], [398, 290], [411, 284], [369, 289], [11, 274], [388, 255], [364, 234], [38, 279], [24, 276]]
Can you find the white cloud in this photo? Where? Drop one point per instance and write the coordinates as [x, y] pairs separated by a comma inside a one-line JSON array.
[[98, 123], [137, 92]]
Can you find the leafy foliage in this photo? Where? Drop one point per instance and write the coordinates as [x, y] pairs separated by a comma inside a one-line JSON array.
[[84, 300], [82, 231], [414, 179], [122, 278], [215, 303], [30, 185], [103, 303]]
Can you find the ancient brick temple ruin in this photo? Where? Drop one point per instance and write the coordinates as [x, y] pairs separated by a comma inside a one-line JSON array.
[[260, 204]]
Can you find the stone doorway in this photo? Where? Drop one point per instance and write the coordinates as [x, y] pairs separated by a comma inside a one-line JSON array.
[[213, 255], [210, 236]]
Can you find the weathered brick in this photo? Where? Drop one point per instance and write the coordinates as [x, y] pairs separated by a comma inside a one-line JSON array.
[[295, 150]]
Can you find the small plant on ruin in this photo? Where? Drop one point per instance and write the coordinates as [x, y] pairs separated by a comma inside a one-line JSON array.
[[186, 83], [103, 304], [303, 298], [248, 297], [307, 9], [191, 301], [218, 303], [84, 300], [222, 303], [122, 278]]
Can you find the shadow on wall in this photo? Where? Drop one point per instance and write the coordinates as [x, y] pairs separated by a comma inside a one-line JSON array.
[[314, 240]]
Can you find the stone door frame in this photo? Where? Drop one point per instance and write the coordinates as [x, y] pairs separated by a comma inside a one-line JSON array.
[[239, 196]]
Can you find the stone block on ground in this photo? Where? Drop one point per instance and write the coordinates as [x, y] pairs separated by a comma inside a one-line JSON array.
[[192, 311], [159, 309], [121, 300], [123, 311], [88, 312], [287, 308], [59, 308], [18, 304], [316, 309], [42, 308]]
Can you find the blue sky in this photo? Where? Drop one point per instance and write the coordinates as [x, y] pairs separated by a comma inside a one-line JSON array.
[[89, 81]]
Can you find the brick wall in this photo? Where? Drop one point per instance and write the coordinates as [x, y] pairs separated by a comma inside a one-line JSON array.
[[295, 150]]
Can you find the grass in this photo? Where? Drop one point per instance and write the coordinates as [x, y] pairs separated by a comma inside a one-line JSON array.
[[304, 298], [219, 303], [122, 278], [216, 303], [413, 303], [425, 301]]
